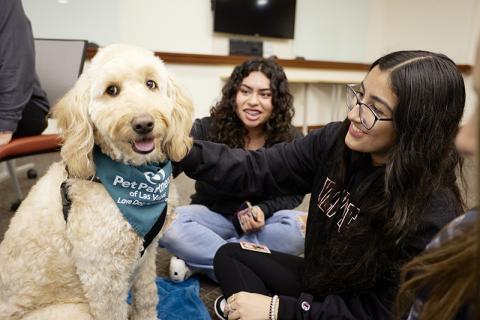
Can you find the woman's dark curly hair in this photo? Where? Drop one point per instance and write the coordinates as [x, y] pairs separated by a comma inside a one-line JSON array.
[[227, 128]]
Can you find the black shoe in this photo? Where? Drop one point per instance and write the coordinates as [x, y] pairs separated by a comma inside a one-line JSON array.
[[219, 307]]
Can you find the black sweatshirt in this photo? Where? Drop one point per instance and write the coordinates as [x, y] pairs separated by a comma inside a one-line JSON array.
[[303, 166], [217, 200]]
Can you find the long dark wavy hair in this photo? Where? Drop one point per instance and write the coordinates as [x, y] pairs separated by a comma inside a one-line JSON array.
[[227, 128], [422, 162]]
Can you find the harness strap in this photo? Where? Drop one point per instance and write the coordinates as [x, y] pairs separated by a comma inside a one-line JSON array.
[[147, 240], [66, 201], [154, 231]]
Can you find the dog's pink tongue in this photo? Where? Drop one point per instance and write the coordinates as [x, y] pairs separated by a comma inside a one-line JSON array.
[[145, 145]]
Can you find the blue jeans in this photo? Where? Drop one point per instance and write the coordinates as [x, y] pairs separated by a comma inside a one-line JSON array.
[[197, 233]]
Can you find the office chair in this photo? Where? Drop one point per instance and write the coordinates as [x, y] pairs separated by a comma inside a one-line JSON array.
[[58, 64]]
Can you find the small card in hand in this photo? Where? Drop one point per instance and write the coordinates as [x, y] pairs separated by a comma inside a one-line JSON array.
[[245, 208], [247, 205], [254, 247]]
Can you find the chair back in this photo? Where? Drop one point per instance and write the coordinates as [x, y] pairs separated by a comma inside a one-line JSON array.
[[59, 62]]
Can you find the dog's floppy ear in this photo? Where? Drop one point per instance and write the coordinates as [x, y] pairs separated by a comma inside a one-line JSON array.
[[177, 143], [76, 129]]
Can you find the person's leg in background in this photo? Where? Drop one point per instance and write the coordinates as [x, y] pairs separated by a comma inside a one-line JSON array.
[[282, 232], [33, 121], [195, 235]]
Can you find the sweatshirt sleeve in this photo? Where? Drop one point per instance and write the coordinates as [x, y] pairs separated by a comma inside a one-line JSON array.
[[283, 169], [363, 306], [441, 208], [17, 64], [269, 207], [198, 132]]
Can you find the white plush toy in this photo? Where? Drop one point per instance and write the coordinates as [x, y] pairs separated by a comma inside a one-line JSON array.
[[179, 271]]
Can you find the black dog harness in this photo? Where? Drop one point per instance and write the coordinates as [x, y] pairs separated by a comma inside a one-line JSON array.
[[67, 204]]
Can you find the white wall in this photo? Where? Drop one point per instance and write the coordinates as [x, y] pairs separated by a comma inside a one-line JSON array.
[[187, 26], [94, 20], [342, 30], [165, 25], [331, 30], [442, 26]]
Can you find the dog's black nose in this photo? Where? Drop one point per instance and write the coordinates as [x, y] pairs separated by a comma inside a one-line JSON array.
[[143, 124]]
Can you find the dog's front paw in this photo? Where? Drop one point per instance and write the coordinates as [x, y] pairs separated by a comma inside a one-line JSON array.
[[143, 316], [145, 312]]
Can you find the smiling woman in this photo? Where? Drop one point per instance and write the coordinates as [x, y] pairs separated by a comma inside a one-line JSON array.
[[255, 111], [366, 133], [254, 107]]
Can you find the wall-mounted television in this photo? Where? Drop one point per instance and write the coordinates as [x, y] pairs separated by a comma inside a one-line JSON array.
[[268, 18]]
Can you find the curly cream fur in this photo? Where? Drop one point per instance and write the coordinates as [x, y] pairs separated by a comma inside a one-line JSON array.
[[83, 268]]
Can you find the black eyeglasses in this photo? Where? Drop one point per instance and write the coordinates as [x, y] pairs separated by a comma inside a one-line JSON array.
[[367, 113]]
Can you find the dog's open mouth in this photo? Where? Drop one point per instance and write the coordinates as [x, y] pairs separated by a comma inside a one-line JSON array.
[[144, 146]]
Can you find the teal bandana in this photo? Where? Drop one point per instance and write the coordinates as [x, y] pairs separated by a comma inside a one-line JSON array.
[[139, 192]]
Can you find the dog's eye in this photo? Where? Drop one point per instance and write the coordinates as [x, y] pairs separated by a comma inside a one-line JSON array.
[[151, 84], [112, 90]]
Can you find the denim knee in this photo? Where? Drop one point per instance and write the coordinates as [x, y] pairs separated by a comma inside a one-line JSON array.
[[174, 230], [287, 217], [189, 210], [287, 214]]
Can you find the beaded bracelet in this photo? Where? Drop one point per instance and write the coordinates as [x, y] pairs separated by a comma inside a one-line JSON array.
[[273, 308]]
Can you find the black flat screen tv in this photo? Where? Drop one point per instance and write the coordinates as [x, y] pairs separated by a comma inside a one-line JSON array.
[[268, 18]]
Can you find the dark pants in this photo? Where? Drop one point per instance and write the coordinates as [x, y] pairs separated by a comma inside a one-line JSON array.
[[238, 270], [33, 122]]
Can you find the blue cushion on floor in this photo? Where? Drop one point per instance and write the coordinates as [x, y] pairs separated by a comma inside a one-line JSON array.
[[179, 301]]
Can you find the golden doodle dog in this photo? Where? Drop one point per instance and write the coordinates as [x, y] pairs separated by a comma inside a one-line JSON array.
[[78, 243]]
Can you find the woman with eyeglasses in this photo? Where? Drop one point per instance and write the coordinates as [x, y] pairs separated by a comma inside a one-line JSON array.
[[382, 184]]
